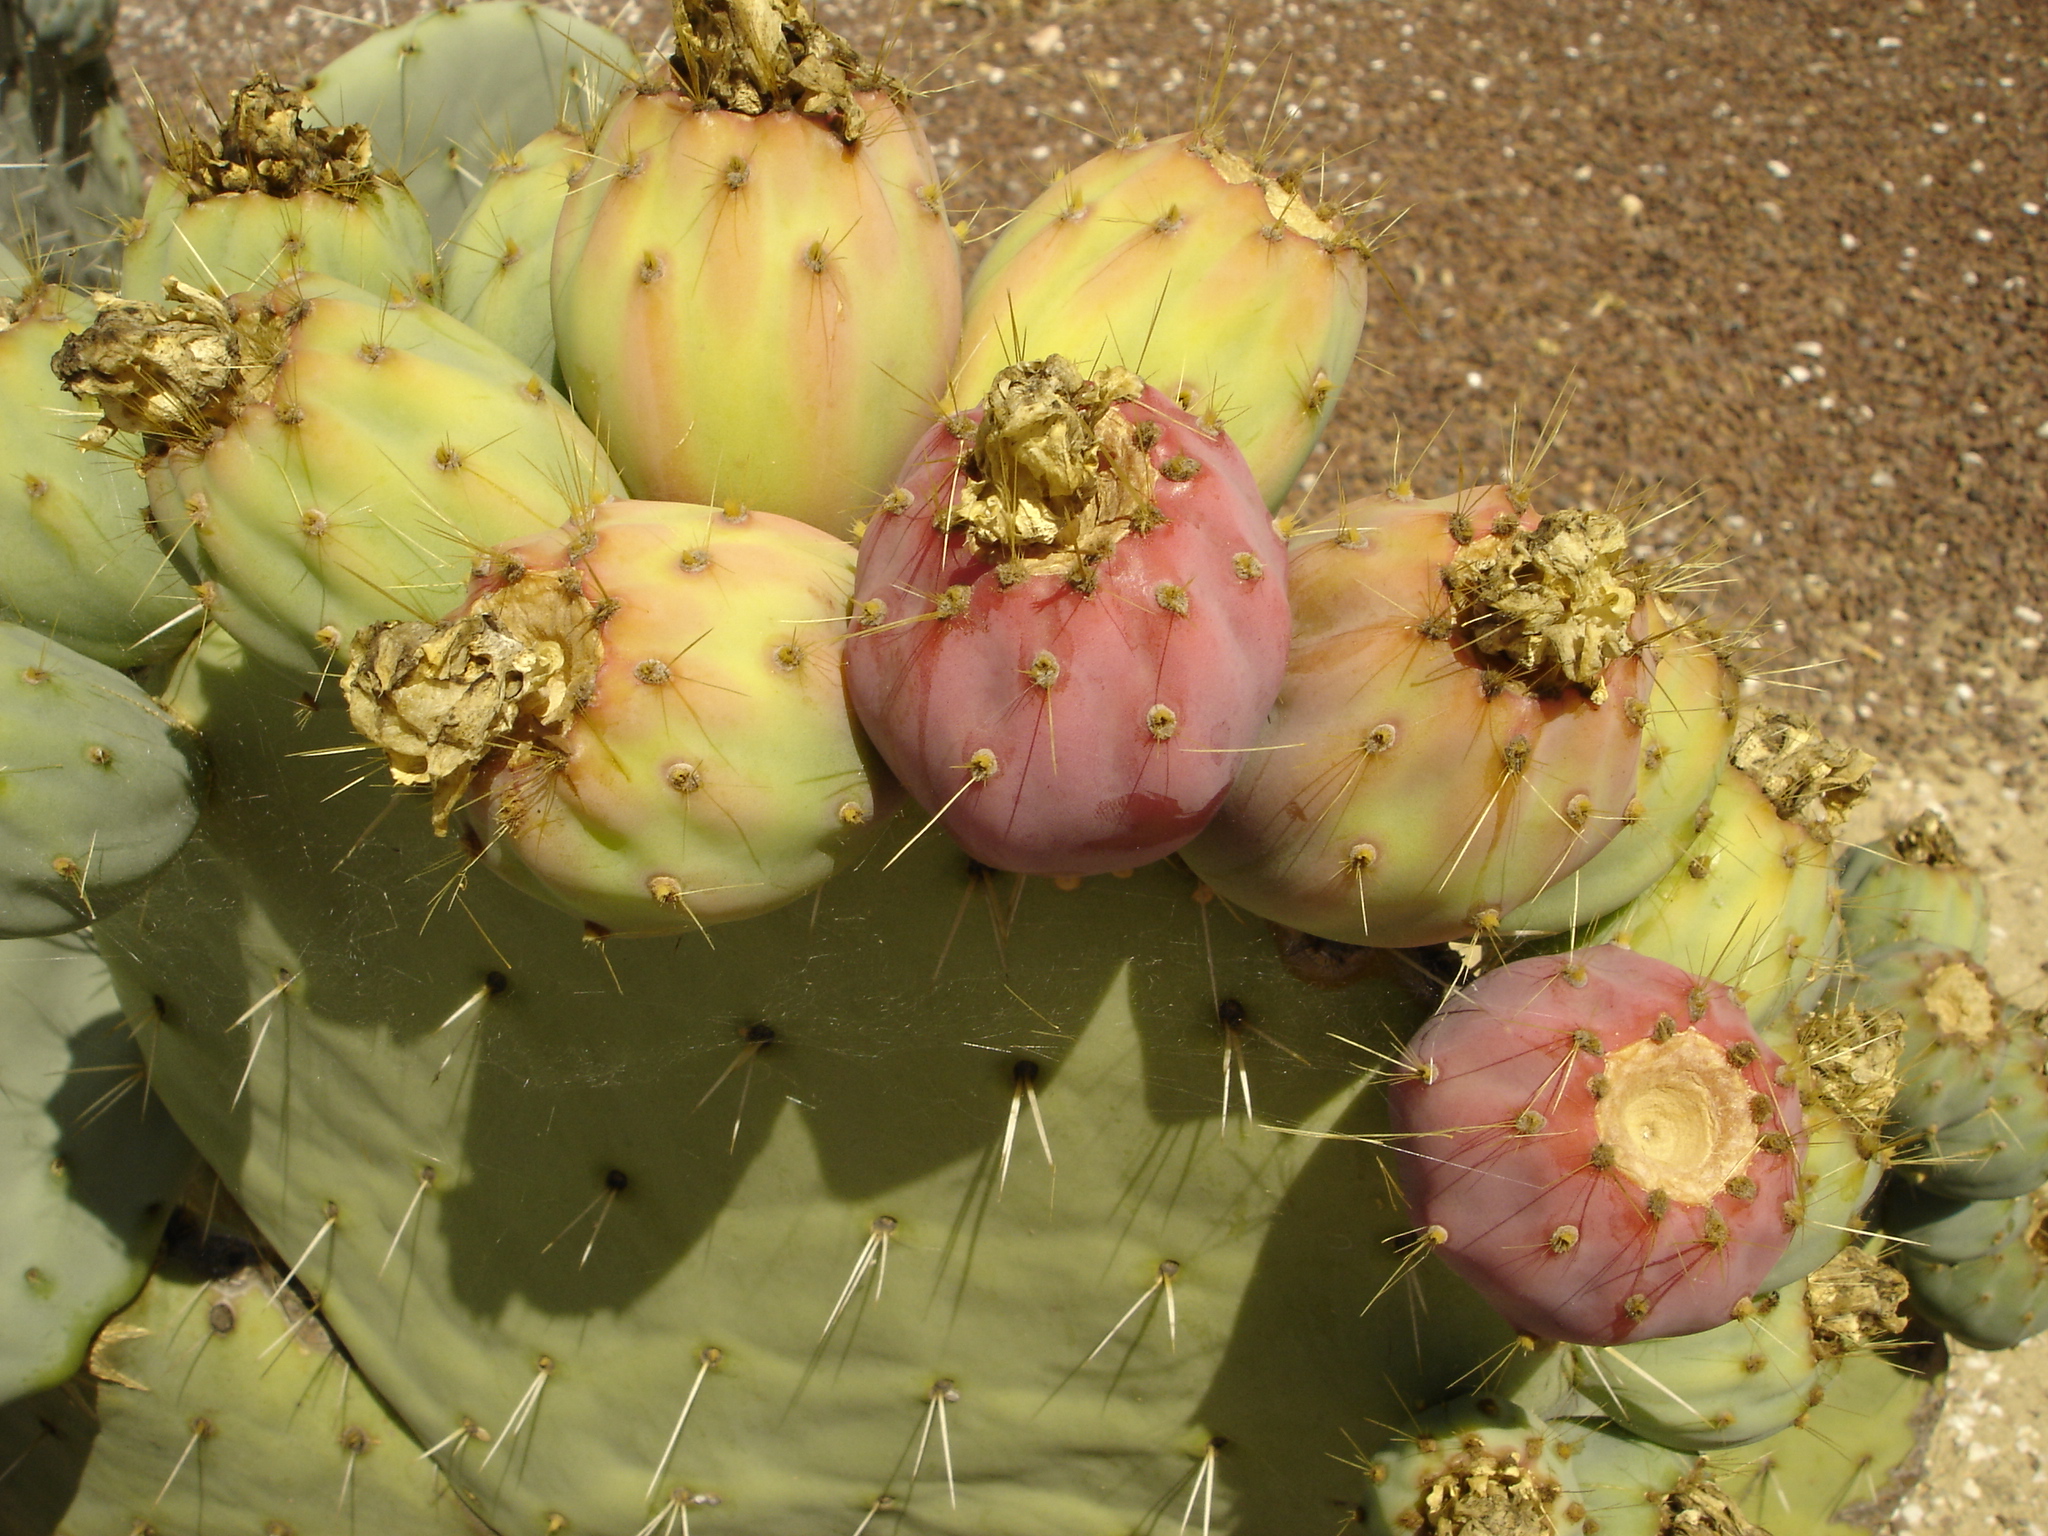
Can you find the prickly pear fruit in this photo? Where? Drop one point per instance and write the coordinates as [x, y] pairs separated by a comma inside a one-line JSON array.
[[1182, 261], [1070, 621], [446, 92], [96, 787], [1937, 1230], [320, 459], [1459, 727], [1915, 885], [1687, 729], [1756, 1374], [494, 269], [81, 565], [1635, 1487], [640, 717], [756, 293], [1752, 903], [274, 195], [1600, 1145], [1476, 1464], [1955, 1031], [1995, 1300], [1845, 1064]]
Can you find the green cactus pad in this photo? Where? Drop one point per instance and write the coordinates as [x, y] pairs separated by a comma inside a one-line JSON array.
[[562, 1172], [96, 787], [220, 1403], [90, 1163], [448, 92], [1995, 1300], [1933, 1230]]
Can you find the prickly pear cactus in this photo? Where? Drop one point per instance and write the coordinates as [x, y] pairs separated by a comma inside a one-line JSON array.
[[616, 1115]]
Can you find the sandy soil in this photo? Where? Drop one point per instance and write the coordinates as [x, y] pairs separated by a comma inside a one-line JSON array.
[[1785, 263]]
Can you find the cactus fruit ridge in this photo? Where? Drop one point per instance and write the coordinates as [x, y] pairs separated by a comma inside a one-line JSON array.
[[1600, 1144], [97, 790], [1460, 725], [1752, 903], [1070, 622], [320, 459], [459, 85], [1180, 260], [274, 195], [641, 717], [756, 292], [81, 565], [1687, 730], [494, 268]]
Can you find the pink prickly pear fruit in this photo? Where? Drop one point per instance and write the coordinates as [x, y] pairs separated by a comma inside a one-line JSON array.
[[1460, 725], [1600, 1145], [1228, 287], [640, 717], [1070, 621], [756, 292]]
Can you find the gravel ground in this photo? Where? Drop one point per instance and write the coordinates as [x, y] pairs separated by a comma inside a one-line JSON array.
[[1786, 262]]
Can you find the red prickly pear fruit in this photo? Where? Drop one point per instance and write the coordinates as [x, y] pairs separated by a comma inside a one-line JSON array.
[[1070, 621], [1460, 725], [1600, 1145]]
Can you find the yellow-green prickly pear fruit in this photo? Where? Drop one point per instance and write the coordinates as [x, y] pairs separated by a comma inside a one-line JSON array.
[[1225, 286], [320, 458], [81, 566], [494, 268], [756, 293], [276, 194], [670, 744]]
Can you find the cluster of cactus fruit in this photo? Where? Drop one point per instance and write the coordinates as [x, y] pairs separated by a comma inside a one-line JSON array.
[[653, 851]]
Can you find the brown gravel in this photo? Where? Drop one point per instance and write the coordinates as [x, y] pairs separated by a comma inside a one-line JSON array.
[[1787, 261]]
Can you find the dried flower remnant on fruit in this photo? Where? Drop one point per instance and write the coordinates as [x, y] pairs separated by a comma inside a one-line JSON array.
[[1853, 1060], [1055, 478], [177, 371], [1853, 1301], [1926, 839], [1484, 1492], [1806, 776], [760, 56], [1554, 602], [439, 699], [266, 145], [1698, 1507]]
